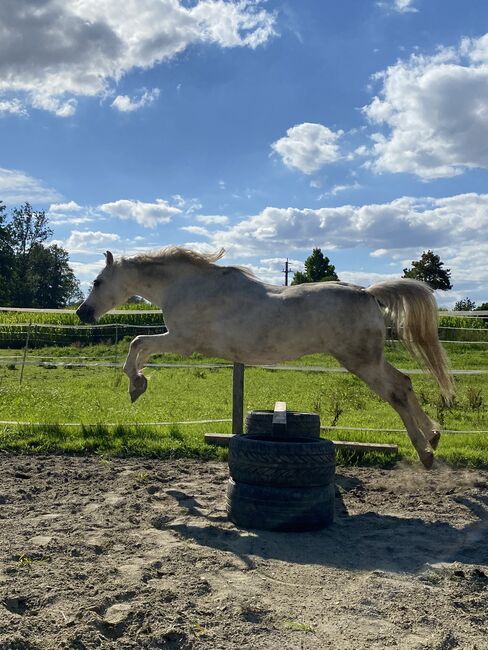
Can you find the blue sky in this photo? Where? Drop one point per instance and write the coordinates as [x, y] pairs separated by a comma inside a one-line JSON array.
[[265, 127]]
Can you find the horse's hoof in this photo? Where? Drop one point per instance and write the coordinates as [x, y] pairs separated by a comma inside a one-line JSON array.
[[427, 459], [434, 442], [137, 387]]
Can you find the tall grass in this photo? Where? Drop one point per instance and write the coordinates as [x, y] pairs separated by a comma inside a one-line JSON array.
[[97, 399], [16, 326]]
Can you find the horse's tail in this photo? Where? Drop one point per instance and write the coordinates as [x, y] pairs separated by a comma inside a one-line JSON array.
[[412, 309]]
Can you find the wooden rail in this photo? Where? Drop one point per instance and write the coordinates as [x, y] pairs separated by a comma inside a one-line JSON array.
[[223, 439]]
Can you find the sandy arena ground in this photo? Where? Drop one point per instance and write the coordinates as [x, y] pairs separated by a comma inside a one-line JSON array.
[[134, 553]]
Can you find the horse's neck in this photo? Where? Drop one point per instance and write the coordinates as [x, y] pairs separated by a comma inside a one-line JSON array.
[[153, 284], [147, 285]]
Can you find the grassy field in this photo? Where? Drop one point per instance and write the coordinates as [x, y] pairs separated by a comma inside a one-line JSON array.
[[97, 397]]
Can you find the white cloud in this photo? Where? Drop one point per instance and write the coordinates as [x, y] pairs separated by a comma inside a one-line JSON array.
[[70, 213], [402, 6], [89, 241], [148, 215], [308, 147], [210, 219], [271, 269], [17, 187], [398, 231], [82, 47], [405, 223], [196, 230], [187, 205], [70, 206], [337, 189], [87, 270], [435, 112], [125, 104], [12, 106]]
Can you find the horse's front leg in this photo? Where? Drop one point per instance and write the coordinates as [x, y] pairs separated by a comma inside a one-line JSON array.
[[141, 348]]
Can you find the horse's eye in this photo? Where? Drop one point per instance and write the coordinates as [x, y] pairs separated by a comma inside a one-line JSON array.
[[96, 283]]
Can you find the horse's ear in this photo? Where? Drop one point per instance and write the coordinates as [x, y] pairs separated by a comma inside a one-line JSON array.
[[109, 258]]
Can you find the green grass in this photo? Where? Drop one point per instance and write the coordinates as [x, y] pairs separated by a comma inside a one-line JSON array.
[[98, 396], [461, 355]]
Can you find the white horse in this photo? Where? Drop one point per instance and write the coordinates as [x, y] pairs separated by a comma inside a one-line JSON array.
[[225, 311]]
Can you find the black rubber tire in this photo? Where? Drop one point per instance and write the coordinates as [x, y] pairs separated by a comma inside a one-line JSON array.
[[298, 425], [280, 509], [289, 462]]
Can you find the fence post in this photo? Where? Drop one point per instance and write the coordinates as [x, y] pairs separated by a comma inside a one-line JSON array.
[[237, 398], [26, 347], [117, 377], [116, 342]]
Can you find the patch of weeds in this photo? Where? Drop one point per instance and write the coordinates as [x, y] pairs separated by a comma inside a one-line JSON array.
[[143, 477], [441, 408], [175, 434], [25, 561], [297, 626], [336, 412], [198, 629], [474, 398], [199, 373], [423, 397], [317, 404], [11, 366]]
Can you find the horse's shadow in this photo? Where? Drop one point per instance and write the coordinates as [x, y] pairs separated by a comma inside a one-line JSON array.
[[365, 541]]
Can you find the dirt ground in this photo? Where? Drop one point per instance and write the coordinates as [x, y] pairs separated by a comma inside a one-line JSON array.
[[134, 553]]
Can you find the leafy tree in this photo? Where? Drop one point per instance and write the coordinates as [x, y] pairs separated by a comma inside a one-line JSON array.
[[482, 307], [317, 269], [36, 275], [53, 283], [28, 227], [466, 304], [429, 269], [6, 257]]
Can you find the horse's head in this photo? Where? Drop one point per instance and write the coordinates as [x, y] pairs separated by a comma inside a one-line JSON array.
[[108, 291]]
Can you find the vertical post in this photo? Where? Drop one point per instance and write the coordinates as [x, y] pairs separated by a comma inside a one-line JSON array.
[[286, 271], [116, 377], [238, 398], [116, 343], [26, 347]]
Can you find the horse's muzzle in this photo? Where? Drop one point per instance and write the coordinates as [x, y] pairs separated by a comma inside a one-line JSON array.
[[86, 313]]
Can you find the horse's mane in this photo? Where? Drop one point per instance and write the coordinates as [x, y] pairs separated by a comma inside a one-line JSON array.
[[180, 254], [177, 254]]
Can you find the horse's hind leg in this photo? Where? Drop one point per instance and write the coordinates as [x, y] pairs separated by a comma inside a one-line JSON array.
[[429, 427], [396, 389]]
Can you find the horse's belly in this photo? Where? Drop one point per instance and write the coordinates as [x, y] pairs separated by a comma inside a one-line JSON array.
[[272, 345]]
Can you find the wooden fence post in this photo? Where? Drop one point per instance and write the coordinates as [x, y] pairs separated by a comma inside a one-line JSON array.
[[238, 398]]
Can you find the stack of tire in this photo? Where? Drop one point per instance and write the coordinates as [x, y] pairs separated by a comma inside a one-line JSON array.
[[281, 478]]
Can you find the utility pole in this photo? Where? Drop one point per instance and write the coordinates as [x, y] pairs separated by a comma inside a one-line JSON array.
[[286, 271]]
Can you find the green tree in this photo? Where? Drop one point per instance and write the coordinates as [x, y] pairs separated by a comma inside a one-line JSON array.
[[52, 281], [429, 269], [6, 258], [38, 275], [466, 304], [482, 307], [317, 269]]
